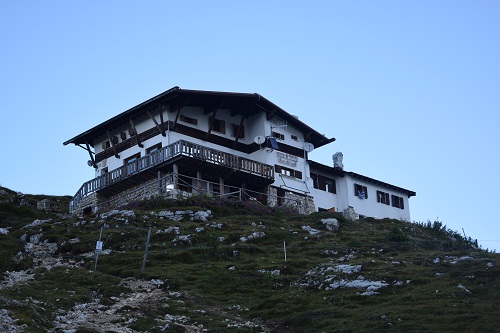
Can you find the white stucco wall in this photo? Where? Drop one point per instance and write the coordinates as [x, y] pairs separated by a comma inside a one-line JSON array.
[[254, 126], [370, 206]]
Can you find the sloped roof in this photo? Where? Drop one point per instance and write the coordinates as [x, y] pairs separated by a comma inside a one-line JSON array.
[[246, 104]]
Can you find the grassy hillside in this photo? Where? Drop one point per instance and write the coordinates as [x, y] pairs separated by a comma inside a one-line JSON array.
[[218, 266]]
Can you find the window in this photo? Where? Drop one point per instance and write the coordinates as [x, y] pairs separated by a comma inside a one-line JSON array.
[[106, 144], [383, 197], [130, 162], [288, 172], [360, 191], [295, 138], [240, 129], [324, 183], [330, 185], [153, 152], [218, 125], [123, 136], [278, 136], [189, 120], [398, 202]]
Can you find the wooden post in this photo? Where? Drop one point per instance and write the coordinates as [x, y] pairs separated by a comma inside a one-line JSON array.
[[198, 176], [159, 182], [221, 187], [175, 172], [97, 251], [284, 249], [146, 251], [242, 191]]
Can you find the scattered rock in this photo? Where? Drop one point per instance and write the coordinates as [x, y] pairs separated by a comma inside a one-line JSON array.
[[255, 235], [36, 223], [310, 230], [331, 224]]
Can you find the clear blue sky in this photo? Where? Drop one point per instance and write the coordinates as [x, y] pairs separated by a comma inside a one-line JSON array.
[[410, 89]]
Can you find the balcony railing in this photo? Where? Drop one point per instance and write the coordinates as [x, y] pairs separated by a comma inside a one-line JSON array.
[[178, 148]]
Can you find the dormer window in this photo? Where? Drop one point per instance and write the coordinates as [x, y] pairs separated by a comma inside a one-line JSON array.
[[218, 125], [189, 120]]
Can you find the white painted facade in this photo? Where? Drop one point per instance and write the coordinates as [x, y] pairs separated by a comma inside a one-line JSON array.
[[293, 173]]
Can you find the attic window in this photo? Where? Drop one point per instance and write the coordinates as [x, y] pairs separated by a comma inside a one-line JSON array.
[[383, 197], [278, 136], [218, 125], [189, 120], [360, 191], [398, 202]]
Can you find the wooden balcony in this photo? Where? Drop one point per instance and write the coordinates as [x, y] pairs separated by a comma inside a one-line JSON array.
[[151, 162]]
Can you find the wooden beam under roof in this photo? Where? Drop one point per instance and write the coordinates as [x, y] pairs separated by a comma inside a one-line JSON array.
[[112, 144], [91, 157], [139, 143], [160, 128], [216, 106], [211, 124], [239, 130], [176, 119], [271, 114], [179, 105]]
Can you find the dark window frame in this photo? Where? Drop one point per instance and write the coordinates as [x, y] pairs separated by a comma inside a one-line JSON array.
[[189, 120], [358, 188], [287, 171], [218, 125], [129, 163], [153, 159], [236, 129], [383, 198], [321, 183], [398, 202]]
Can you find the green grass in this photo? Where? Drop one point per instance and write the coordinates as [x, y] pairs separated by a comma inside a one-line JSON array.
[[232, 277]]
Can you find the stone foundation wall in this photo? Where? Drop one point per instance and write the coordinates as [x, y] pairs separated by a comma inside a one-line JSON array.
[[94, 202], [86, 202], [142, 191], [304, 204]]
